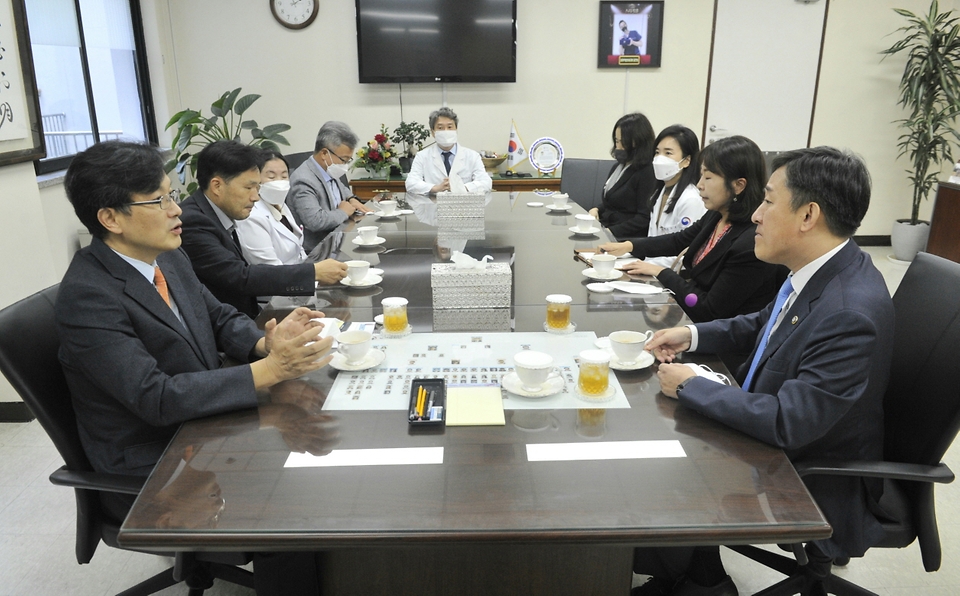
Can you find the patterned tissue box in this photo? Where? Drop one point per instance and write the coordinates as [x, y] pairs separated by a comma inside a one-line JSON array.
[[471, 288], [472, 319], [460, 205]]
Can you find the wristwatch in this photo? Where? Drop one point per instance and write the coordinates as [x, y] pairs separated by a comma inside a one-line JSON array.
[[683, 384]]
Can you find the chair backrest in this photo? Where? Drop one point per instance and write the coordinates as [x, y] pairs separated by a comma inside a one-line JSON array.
[[583, 180], [295, 159], [922, 403]]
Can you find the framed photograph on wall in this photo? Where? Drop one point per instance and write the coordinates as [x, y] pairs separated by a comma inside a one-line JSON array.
[[631, 34], [21, 138]]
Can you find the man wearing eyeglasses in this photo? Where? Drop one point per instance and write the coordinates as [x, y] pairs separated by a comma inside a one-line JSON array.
[[319, 199], [228, 173]]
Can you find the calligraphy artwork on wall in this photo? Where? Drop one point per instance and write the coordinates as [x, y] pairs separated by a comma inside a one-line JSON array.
[[21, 138]]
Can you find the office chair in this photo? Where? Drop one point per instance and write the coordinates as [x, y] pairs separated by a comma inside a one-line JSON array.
[[28, 358], [583, 180], [295, 159], [921, 411]]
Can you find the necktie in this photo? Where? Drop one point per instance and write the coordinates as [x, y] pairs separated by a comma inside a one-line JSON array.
[[785, 291], [161, 282], [236, 239], [286, 222], [446, 160]]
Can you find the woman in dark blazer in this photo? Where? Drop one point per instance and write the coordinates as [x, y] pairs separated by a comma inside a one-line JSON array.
[[625, 209], [723, 278]]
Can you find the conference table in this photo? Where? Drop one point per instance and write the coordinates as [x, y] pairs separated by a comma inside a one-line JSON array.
[[487, 517]]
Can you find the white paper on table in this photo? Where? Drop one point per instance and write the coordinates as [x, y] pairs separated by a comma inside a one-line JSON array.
[[604, 450], [632, 287]]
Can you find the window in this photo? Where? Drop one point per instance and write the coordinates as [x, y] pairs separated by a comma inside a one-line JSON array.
[[91, 72]]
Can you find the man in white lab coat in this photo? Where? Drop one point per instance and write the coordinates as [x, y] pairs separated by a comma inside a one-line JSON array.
[[446, 165]]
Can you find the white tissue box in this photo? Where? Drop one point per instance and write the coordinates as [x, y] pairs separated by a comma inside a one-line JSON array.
[[488, 287], [460, 205], [472, 319]]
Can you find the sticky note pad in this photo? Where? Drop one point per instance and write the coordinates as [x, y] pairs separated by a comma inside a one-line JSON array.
[[474, 406]]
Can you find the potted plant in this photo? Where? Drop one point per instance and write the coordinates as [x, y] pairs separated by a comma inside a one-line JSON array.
[[377, 155], [194, 131], [412, 135], [930, 92]]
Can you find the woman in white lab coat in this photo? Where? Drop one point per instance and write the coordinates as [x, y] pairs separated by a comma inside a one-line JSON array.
[[271, 235], [677, 204]]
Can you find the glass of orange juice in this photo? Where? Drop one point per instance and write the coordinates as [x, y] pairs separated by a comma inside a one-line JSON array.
[[395, 315], [558, 311], [594, 379]]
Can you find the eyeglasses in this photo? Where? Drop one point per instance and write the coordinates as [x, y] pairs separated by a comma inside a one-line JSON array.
[[342, 159], [165, 201]]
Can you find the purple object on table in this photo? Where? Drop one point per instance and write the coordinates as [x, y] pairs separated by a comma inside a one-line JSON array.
[[690, 300]]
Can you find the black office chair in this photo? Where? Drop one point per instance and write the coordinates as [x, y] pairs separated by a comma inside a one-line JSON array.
[[28, 358], [921, 418], [295, 159], [583, 180]]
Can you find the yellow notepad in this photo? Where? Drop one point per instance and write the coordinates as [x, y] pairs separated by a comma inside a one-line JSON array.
[[474, 406]]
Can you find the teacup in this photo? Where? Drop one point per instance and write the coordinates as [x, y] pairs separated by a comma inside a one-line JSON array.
[[603, 263], [585, 222], [388, 207], [354, 345], [368, 233], [628, 345], [534, 368], [357, 270], [560, 200]]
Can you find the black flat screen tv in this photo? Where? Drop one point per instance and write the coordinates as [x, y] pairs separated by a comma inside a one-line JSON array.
[[437, 41]]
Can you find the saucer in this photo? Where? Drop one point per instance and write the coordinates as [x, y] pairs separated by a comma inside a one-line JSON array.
[[576, 230], [382, 215], [511, 382], [403, 212], [600, 288], [605, 396], [570, 329], [374, 271], [555, 208], [390, 334], [378, 240], [643, 361], [373, 358], [378, 319], [366, 282], [534, 204], [603, 343], [592, 274]]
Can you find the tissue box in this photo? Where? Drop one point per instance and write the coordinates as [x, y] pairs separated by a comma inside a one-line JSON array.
[[460, 205], [488, 287], [472, 319]]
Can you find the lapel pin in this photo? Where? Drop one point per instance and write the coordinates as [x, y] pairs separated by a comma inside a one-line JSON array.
[[794, 320]]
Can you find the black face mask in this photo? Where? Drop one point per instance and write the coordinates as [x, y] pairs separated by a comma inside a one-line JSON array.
[[620, 155]]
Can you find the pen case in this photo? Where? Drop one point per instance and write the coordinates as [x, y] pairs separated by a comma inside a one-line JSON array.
[[433, 406]]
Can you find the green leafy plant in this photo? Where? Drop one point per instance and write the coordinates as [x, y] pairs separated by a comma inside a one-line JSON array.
[[194, 131], [411, 134], [930, 92]]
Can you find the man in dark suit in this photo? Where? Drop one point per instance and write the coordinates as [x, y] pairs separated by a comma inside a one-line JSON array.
[[814, 382], [318, 198], [140, 334], [228, 173]]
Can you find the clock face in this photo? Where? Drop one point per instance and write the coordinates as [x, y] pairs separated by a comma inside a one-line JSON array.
[[294, 14]]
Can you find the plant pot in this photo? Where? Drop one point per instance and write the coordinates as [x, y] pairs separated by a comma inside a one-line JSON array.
[[907, 239], [405, 163]]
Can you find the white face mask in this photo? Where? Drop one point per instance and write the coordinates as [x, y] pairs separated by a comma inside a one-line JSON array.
[[446, 138], [275, 191], [664, 168], [337, 170]]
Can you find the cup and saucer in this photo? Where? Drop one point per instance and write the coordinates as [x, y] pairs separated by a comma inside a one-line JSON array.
[[534, 375], [627, 349], [366, 282], [374, 242], [588, 232], [359, 275], [354, 352], [592, 273], [565, 208]]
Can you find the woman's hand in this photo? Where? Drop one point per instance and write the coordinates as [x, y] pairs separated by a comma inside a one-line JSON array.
[[642, 268], [617, 249]]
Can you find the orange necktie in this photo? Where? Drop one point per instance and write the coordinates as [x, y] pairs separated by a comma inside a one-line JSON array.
[[161, 282]]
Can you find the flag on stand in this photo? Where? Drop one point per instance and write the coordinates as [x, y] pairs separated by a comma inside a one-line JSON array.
[[516, 154]]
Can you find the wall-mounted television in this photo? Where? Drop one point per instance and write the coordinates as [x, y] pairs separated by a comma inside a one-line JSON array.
[[437, 41]]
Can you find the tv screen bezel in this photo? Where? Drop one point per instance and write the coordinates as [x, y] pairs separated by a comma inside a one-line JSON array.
[[511, 78]]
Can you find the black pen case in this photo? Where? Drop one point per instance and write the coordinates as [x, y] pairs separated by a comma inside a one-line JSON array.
[[434, 404]]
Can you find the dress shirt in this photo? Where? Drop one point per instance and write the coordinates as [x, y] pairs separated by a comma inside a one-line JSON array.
[[148, 272], [332, 187]]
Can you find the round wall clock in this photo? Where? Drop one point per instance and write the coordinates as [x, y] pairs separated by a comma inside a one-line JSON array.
[[294, 14]]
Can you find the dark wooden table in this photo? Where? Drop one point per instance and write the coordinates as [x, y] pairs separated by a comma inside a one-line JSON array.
[[487, 520], [365, 187]]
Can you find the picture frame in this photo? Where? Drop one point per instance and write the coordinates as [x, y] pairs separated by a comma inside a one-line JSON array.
[[21, 136], [631, 34]]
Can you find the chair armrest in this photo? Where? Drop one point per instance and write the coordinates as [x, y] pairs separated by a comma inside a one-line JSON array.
[[939, 473], [115, 483]]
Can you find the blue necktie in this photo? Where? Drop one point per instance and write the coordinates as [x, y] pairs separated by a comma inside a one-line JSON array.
[[446, 160], [785, 290]]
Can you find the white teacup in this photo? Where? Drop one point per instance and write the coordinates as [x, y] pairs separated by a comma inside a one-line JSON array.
[[560, 200], [628, 345], [368, 233], [354, 345], [534, 368], [603, 263], [585, 222], [388, 207], [357, 270]]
